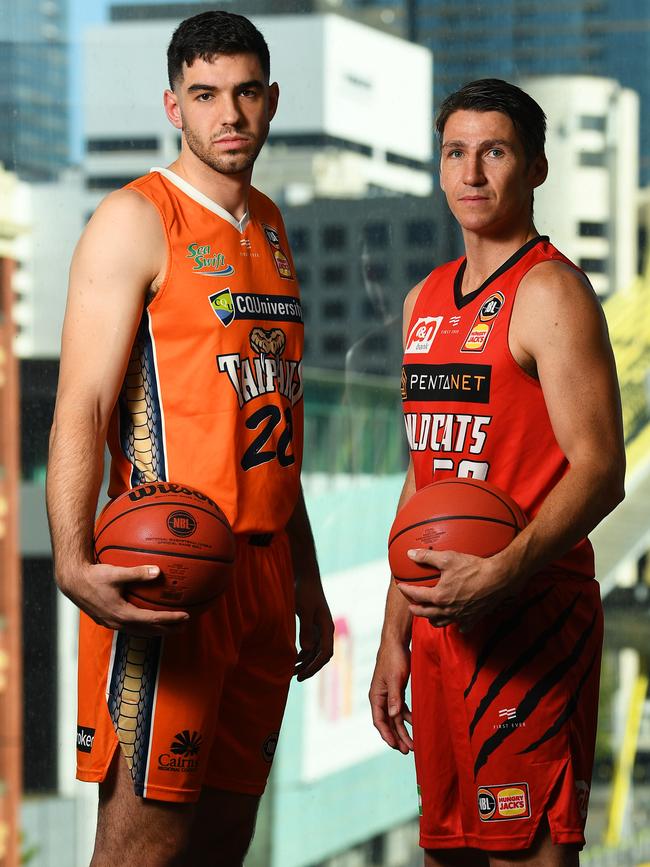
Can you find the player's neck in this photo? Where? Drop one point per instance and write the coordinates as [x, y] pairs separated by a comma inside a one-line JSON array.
[[228, 191], [486, 254]]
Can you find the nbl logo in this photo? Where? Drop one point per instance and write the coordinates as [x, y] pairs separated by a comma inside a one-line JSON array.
[[181, 523]]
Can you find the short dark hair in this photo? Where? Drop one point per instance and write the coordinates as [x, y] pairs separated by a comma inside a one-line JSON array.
[[211, 33], [494, 94]]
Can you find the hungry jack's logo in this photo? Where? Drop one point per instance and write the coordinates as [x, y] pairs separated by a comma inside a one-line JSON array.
[[477, 339], [503, 803], [279, 257]]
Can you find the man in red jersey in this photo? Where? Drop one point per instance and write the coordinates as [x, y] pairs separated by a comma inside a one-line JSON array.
[[182, 345], [504, 652]]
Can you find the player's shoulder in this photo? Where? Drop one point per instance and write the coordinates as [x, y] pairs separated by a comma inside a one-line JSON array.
[[556, 282], [124, 212]]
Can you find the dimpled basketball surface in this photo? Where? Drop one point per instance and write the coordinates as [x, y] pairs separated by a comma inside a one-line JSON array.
[[177, 528], [465, 515]]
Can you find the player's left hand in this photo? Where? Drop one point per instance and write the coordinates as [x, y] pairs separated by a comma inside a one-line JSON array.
[[316, 635], [469, 588]]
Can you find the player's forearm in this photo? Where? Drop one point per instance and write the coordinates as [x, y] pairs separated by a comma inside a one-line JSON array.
[[74, 477], [577, 504], [301, 543]]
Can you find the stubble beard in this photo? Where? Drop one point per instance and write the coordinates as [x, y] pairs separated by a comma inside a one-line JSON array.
[[226, 163]]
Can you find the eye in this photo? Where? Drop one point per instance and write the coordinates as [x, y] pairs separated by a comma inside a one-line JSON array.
[[454, 154], [249, 92], [496, 152], [204, 97]]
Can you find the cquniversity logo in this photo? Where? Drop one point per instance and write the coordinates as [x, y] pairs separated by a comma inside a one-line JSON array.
[[222, 306]]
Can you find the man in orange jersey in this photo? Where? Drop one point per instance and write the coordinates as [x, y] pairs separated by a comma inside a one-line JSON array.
[[182, 347], [504, 652]]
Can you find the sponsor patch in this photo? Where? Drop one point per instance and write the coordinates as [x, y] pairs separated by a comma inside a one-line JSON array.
[[281, 261], [503, 803], [582, 794], [270, 745], [85, 739], [207, 263], [223, 306], [419, 800], [466, 383], [477, 339], [182, 754], [422, 334]]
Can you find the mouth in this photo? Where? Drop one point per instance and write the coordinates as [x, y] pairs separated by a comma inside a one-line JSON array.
[[232, 142]]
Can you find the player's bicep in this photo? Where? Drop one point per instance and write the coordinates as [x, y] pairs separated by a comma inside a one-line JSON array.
[[564, 330], [112, 268]]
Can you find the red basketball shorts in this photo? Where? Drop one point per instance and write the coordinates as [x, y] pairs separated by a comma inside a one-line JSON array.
[[504, 719], [199, 708]]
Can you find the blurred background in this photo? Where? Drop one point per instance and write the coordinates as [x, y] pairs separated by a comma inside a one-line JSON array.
[[352, 163]]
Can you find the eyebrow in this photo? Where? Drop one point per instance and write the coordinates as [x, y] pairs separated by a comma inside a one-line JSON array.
[[254, 82], [490, 143]]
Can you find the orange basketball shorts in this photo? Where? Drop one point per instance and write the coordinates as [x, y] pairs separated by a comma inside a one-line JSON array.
[[199, 708], [504, 719]]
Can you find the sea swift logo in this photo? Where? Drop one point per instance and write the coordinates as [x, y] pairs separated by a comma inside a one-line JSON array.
[[183, 752], [208, 264]]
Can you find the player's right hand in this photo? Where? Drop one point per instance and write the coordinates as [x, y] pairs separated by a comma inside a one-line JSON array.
[[389, 709], [97, 589]]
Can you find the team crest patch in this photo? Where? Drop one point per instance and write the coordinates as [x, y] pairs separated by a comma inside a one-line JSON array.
[[477, 339], [503, 803], [223, 306], [422, 334], [207, 263], [279, 257]]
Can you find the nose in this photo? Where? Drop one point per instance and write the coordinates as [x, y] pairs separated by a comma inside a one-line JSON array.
[[229, 110], [474, 175]]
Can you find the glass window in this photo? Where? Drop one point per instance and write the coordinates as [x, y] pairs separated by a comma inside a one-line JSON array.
[[592, 159], [334, 274], [416, 269], [333, 343], [376, 235], [303, 273], [334, 237], [420, 233], [593, 122], [299, 239], [588, 229], [334, 309], [376, 271], [594, 266]]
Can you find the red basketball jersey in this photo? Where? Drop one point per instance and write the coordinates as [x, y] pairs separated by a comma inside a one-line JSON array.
[[469, 408], [212, 397]]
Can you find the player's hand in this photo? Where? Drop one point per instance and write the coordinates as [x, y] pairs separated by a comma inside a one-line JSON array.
[[389, 709], [316, 634], [97, 589], [468, 589]]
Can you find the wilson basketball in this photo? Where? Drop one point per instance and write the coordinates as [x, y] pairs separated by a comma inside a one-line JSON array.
[[465, 515], [177, 528]]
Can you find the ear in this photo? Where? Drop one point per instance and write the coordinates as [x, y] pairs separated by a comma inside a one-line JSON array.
[[274, 96], [539, 170], [172, 109]]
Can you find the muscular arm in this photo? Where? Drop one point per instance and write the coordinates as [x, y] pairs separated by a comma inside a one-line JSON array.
[[316, 635], [116, 262], [558, 334], [393, 666]]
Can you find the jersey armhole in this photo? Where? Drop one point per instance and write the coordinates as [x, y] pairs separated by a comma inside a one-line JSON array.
[[168, 263]]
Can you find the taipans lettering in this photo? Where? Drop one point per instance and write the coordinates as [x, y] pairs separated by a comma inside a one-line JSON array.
[[446, 432], [254, 376]]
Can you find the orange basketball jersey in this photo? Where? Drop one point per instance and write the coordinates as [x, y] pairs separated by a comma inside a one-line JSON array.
[[213, 392], [469, 408]]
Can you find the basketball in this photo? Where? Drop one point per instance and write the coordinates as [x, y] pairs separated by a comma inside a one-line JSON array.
[[177, 528], [465, 515]]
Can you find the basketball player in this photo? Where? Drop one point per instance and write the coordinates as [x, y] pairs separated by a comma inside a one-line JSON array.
[[182, 347], [508, 376]]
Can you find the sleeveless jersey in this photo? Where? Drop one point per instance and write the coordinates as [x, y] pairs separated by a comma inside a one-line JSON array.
[[469, 408], [212, 396]]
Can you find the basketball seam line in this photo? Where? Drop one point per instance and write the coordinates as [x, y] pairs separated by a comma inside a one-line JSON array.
[[453, 518], [470, 483], [158, 553], [165, 504]]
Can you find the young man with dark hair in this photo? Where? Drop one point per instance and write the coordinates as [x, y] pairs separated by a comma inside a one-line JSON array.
[[182, 347], [504, 652]]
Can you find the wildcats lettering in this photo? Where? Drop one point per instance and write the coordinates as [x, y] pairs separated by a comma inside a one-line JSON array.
[[263, 374], [467, 383], [446, 432]]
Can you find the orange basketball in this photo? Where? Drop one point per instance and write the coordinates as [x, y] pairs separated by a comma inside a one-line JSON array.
[[465, 515], [177, 528]]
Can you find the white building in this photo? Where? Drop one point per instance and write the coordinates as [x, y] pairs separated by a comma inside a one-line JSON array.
[[588, 204], [336, 133]]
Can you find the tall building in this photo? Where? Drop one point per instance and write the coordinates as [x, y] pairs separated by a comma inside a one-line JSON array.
[[518, 38], [34, 104]]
